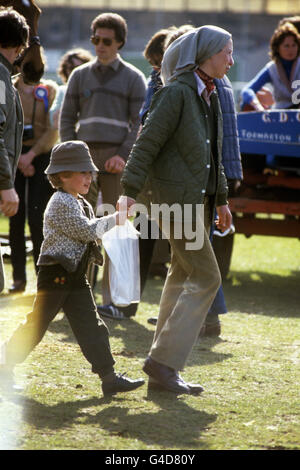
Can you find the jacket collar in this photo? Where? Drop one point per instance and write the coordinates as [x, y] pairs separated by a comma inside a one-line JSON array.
[[188, 78], [6, 63]]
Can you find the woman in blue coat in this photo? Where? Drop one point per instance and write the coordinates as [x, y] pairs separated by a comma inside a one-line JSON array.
[[281, 72]]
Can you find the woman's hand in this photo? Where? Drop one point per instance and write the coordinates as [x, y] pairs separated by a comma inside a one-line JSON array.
[[256, 105], [224, 218], [265, 98], [9, 202]]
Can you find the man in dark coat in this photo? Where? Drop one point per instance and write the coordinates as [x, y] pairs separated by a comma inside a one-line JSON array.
[[14, 34]]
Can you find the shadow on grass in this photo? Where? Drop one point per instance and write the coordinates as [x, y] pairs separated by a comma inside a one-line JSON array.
[[136, 338], [263, 293], [152, 428], [153, 290], [175, 424], [202, 354]]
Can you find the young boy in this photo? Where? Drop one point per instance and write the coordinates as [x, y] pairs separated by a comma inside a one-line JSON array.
[[70, 235]]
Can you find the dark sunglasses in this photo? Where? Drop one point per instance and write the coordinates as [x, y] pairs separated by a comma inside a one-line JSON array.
[[96, 40]]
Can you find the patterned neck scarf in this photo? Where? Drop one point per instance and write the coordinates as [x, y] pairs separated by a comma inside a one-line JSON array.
[[207, 80]]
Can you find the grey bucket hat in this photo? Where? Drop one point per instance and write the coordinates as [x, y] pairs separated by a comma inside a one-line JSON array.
[[73, 155]]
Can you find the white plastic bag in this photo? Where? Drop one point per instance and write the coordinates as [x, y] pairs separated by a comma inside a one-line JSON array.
[[121, 244]]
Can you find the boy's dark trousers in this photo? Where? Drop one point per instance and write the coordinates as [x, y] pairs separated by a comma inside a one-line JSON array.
[[56, 289]]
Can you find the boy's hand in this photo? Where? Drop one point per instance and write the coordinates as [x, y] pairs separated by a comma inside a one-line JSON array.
[[123, 206], [120, 219]]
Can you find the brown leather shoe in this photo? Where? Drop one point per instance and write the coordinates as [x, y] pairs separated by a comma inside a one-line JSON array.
[[195, 389], [166, 377], [211, 329]]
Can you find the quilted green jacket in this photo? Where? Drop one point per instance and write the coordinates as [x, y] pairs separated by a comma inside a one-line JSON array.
[[11, 126], [170, 161]]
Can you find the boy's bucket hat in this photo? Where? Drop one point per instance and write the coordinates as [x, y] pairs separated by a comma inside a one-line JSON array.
[[73, 155]]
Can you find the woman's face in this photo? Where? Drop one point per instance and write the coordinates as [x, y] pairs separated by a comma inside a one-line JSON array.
[[219, 64], [288, 49]]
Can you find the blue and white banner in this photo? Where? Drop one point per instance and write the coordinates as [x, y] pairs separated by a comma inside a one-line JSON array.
[[270, 132]]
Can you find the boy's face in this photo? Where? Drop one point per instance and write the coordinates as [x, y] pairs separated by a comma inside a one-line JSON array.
[[77, 182]]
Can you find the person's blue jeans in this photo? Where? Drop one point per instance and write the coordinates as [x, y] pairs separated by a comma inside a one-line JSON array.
[[218, 306]]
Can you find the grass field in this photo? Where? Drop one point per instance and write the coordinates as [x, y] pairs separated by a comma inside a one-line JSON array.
[[250, 374]]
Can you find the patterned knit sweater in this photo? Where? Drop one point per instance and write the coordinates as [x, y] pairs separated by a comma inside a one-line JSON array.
[[68, 230], [102, 104]]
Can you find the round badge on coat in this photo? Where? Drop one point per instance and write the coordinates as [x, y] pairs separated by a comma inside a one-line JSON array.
[[41, 93], [87, 93]]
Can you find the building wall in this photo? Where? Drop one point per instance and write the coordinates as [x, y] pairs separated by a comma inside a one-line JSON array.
[[272, 7], [62, 28]]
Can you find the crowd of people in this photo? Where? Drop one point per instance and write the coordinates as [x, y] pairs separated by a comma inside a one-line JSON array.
[[172, 139]]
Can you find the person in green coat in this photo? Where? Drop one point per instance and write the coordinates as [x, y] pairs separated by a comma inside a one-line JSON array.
[[176, 161], [14, 35]]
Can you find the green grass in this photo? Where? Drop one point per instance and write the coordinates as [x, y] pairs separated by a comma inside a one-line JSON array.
[[250, 374]]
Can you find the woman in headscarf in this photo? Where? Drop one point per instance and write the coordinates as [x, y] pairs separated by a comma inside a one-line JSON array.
[[179, 154]]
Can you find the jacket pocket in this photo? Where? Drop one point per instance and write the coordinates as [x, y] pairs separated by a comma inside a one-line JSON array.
[[168, 192]]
